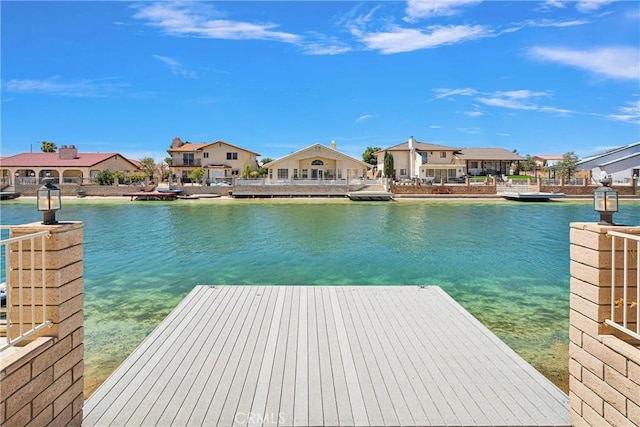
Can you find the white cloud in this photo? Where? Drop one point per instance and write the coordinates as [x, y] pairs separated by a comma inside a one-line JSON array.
[[445, 93], [515, 99], [197, 19], [417, 9], [591, 5], [554, 3], [470, 131], [176, 67], [435, 127], [613, 62], [475, 113], [408, 39], [363, 118], [629, 113], [54, 86]]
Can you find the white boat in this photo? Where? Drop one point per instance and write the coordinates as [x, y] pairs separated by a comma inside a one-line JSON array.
[[531, 196]]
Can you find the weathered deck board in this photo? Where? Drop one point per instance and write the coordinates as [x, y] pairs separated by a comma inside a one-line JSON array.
[[324, 355]]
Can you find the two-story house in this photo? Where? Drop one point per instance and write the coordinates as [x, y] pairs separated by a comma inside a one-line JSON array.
[[413, 159], [220, 160], [439, 163]]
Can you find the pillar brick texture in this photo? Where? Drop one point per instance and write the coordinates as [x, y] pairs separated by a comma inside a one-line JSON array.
[[41, 383], [604, 365]]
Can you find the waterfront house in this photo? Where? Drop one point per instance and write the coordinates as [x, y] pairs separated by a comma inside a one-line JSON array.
[[547, 160], [622, 163], [220, 160], [66, 166], [316, 163], [439, 163], [488, 161], [413, 159]]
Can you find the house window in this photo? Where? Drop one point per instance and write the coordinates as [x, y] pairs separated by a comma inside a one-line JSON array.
[[187, 159], [283, 173], [424, 158], [232, 156], [403, 172], [295, 174], [305, 173], [339, 173], [443, 154], [317, 163], [270, 173], [473, 165], [205, 155]]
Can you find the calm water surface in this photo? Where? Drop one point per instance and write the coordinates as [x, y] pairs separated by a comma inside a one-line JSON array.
[[505, 262]]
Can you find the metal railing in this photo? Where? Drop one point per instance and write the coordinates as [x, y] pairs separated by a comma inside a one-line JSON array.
[[625, 308], [307, 181], [21, 291]]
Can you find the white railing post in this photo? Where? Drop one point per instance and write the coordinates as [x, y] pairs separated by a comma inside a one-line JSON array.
[[18, 254], [625, 302]]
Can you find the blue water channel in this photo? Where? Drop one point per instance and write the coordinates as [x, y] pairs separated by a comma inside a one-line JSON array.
[[505, 262]]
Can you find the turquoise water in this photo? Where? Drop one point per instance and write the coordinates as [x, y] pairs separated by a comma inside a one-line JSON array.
[[506, 262]]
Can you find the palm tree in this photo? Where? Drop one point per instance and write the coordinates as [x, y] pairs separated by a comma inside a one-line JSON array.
[[48, 147]]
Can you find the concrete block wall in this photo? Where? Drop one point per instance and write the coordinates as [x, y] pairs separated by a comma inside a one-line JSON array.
[[41, 383], [604, 369]]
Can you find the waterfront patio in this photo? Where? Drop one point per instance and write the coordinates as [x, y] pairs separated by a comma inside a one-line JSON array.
[[324, 355]]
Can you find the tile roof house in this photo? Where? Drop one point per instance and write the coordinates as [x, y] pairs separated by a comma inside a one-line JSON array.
[[220, 160], [547, 159], [414, 159], [316, 162], [66, 166]]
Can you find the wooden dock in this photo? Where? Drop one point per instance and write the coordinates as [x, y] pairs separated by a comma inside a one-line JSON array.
[[324, 355]]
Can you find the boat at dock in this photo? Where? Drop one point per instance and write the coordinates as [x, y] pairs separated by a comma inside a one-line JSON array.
[[369, 196], [531, 196], [151, 196]]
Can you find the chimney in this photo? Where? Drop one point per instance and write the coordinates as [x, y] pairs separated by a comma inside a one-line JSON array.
[[177, 143], [333, 145], [68, 153], [411, 142]]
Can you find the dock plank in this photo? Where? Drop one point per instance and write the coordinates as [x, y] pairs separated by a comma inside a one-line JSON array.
[[324, 355], [288, 394], [182, 395]]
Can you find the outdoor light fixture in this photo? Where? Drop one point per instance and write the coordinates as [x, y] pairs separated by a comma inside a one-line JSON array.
[[49, 201], [605, 201]]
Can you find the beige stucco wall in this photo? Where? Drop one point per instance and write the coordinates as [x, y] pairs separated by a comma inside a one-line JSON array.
[[337, 164], [403, 159], [218, 155]]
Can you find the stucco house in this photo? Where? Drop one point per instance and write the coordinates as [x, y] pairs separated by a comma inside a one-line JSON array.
[[439, 163], [316, 162], [66, 166], [622, 163], [547, 160], [488, 161], [414, 159], [220, 160]]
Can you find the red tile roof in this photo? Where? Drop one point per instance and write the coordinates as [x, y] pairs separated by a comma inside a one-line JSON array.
[[53, 160]]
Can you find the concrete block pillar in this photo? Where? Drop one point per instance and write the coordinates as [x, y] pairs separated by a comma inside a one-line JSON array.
[[64, 276], [41, 383], [604, 386]]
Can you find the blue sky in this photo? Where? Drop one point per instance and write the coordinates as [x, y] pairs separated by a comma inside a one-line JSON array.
[[542, 77]]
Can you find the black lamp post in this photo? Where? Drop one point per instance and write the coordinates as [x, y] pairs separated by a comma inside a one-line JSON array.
[[49, 201], [605, 201]]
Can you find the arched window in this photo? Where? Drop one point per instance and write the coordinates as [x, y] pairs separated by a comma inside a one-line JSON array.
[[317, 163]]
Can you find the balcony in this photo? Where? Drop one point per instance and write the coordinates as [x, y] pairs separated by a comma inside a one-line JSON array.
[[187, 162]]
